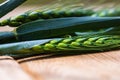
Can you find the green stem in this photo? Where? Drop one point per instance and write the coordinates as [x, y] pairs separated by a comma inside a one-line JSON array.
[[7, 37], [9, 5]]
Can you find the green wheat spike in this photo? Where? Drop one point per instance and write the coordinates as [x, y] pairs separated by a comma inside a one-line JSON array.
[[107, 13], [45, 14], [80, 43]]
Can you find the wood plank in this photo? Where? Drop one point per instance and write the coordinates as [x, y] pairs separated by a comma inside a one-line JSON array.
[[11, 70], [97, 66]]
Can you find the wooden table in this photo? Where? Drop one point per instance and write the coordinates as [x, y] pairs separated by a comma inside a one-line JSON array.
[[97, 66], [91, 66]]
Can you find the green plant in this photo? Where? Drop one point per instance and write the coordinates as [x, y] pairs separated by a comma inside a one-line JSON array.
[[107, 12], [46, 14], [43, 31]]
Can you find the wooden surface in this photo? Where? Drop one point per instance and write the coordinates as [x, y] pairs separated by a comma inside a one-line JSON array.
[[11, 70], [95, 66], [91, 66]]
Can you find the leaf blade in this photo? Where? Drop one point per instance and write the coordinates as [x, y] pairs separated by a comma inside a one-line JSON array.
[[56, 27]]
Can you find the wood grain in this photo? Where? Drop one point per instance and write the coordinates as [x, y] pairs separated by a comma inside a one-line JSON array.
[[97, 66], [11, 70]]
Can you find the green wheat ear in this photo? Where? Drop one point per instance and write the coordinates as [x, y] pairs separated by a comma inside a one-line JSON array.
[[79, 43], [45, 14], [96, 43], [107, 13]]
